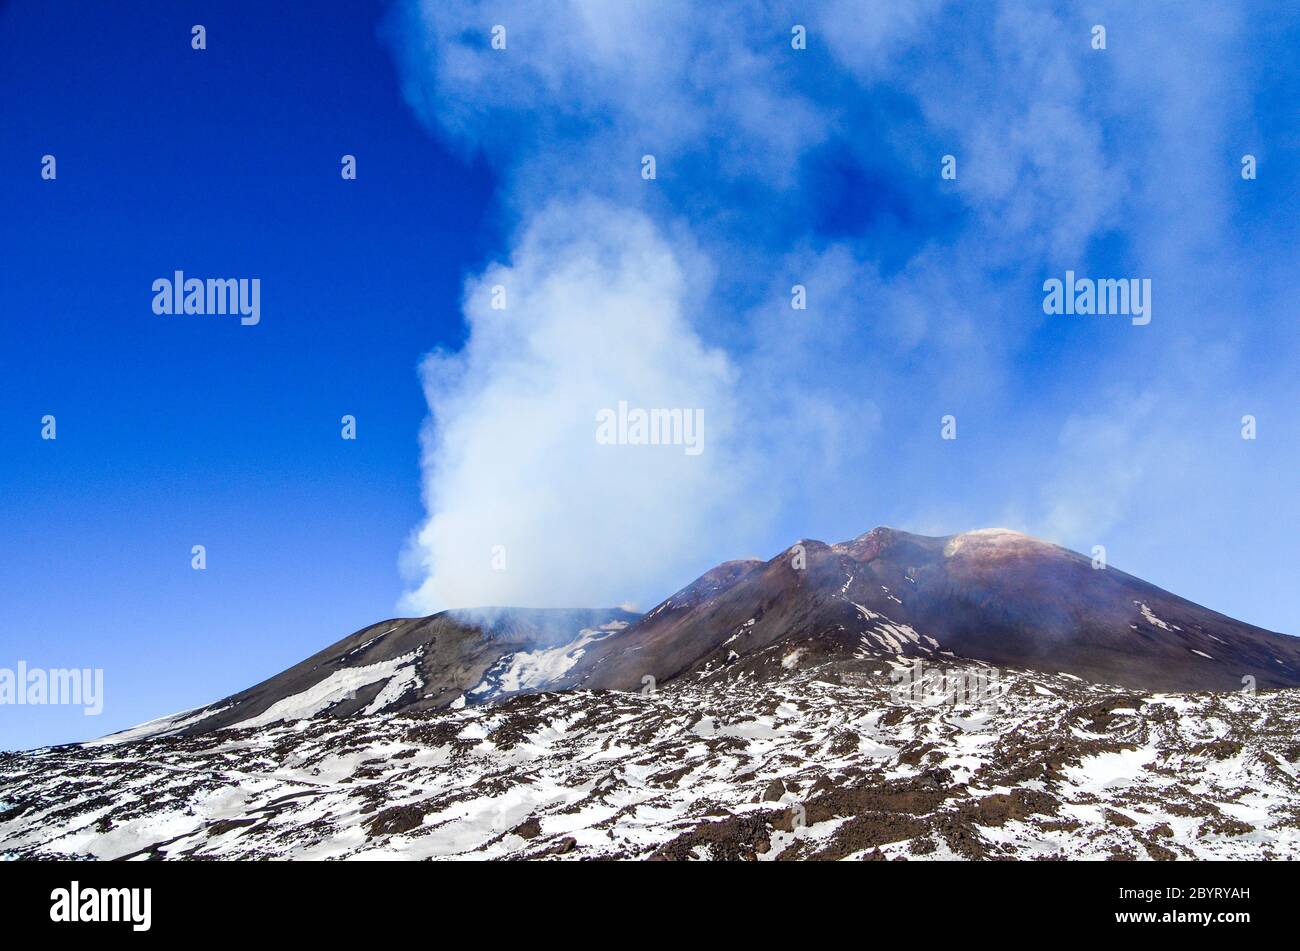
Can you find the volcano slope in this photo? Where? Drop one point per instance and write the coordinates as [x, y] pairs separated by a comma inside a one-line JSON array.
[[995, 596], [762, 711], [411, 664], [992, 596], [828, 761]]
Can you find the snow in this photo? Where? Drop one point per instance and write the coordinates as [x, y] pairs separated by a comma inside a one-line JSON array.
[[890, 635], [406, 679], [1105, 770], [1155, 621], [624, 774], [532, 670], [159, 727], [361, 647], [997, 536], [338, 686]]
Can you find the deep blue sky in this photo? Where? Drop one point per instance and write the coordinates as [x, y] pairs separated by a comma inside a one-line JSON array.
[[180, 432], [775, 167]]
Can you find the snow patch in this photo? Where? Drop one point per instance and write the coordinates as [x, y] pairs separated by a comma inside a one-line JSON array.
[[533, 670], [337, 687]]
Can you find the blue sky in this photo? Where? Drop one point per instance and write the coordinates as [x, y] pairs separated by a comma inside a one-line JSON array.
[[171, 434], [521, 168]]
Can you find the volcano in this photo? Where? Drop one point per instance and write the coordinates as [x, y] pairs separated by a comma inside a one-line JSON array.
[[993, 596], [755, 714]]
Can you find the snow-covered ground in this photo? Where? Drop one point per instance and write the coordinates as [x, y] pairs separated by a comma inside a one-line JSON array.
[[814, 763], [535, 670]]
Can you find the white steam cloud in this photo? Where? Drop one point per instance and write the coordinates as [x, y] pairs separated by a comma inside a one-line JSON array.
[[923, 297], [527, 508]]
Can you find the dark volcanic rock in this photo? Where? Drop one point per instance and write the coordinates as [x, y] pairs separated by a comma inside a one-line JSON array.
[[1049, 767], [993, 596]]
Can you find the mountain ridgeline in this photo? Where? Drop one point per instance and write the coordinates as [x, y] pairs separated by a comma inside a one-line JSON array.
[[991, 596]]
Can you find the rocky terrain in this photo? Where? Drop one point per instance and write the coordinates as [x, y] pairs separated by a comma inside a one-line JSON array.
[[839, 760], [993, 596], [985, 695]]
